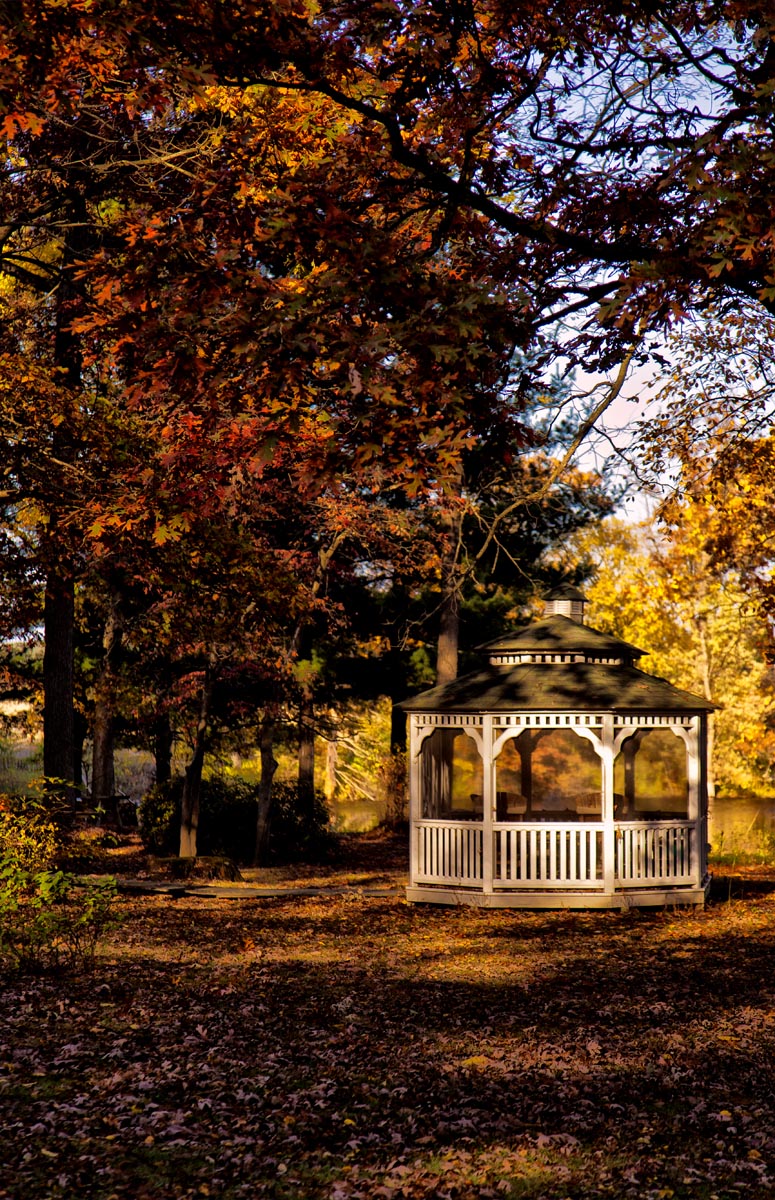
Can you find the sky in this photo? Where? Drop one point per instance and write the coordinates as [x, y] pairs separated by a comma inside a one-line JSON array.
[[611, 448]]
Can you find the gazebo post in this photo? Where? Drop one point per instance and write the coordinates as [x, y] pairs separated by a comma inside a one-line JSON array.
[[488, 804], [705, 823], [415, 794], [693, 799], [525, 751], [629, 751], [609, 835]]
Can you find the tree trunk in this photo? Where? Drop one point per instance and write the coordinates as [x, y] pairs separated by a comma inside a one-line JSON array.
[[58, 672], [162, 747], [332, 756], [192, 784], [449, 633], [59, 602], [268, 768], [306, 757], [103, 785], [103, 776], [449, 617], [397, 728], [706, 668], [81, 729]]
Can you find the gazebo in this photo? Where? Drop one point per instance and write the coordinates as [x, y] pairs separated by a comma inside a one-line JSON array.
[[559, 775]]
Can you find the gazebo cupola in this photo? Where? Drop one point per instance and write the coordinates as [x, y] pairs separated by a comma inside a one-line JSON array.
[[565, 601], [558, 774]]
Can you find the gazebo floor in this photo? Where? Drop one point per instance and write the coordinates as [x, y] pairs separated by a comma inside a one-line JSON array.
[[651, 897]]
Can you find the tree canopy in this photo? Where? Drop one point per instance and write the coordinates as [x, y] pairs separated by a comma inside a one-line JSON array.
[[603, 157], [295, 274]]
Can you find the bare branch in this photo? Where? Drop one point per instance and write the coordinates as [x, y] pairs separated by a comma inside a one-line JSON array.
[[540, 493]]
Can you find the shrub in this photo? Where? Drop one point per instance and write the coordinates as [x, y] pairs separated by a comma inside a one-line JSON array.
[[293, 837], [393, 791], [52, 919], [227, 818], [29, 839], [227, 821], [159, 817], [48, 917]]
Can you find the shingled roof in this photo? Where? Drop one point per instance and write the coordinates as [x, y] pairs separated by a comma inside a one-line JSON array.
[[597, 674], [562, 635], [551, 687]]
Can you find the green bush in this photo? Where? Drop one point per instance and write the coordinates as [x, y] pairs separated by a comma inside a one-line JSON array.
[[227, 821], [393, 791], [48, 917], [51, 919], [29, 839], [293, 837], [159, 817]]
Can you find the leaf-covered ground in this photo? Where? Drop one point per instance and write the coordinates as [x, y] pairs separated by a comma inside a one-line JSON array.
[[351, 1046]]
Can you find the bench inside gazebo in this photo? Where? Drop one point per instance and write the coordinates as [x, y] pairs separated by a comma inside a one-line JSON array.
[[559, 775]]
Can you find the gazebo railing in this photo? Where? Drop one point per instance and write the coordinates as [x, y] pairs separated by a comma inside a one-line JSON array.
[[554, 855], [649, 852], [449, 852], [543, 855]]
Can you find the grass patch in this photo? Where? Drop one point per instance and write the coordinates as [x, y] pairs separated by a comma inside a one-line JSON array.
[[751, 848]]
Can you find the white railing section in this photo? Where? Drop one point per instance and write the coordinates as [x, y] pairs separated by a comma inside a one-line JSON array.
[[551, 856], [647, 852], [546, 855], [449, 852]]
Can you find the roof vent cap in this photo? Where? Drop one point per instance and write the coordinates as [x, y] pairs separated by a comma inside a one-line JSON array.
[[566, 601]]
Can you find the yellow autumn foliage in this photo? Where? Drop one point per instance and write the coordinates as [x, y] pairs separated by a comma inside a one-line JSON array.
[[699, 627]]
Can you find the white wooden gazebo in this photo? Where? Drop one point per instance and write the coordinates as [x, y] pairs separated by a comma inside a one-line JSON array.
[[558, 776]]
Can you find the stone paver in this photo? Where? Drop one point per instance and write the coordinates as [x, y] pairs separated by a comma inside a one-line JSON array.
[[226, 891]]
